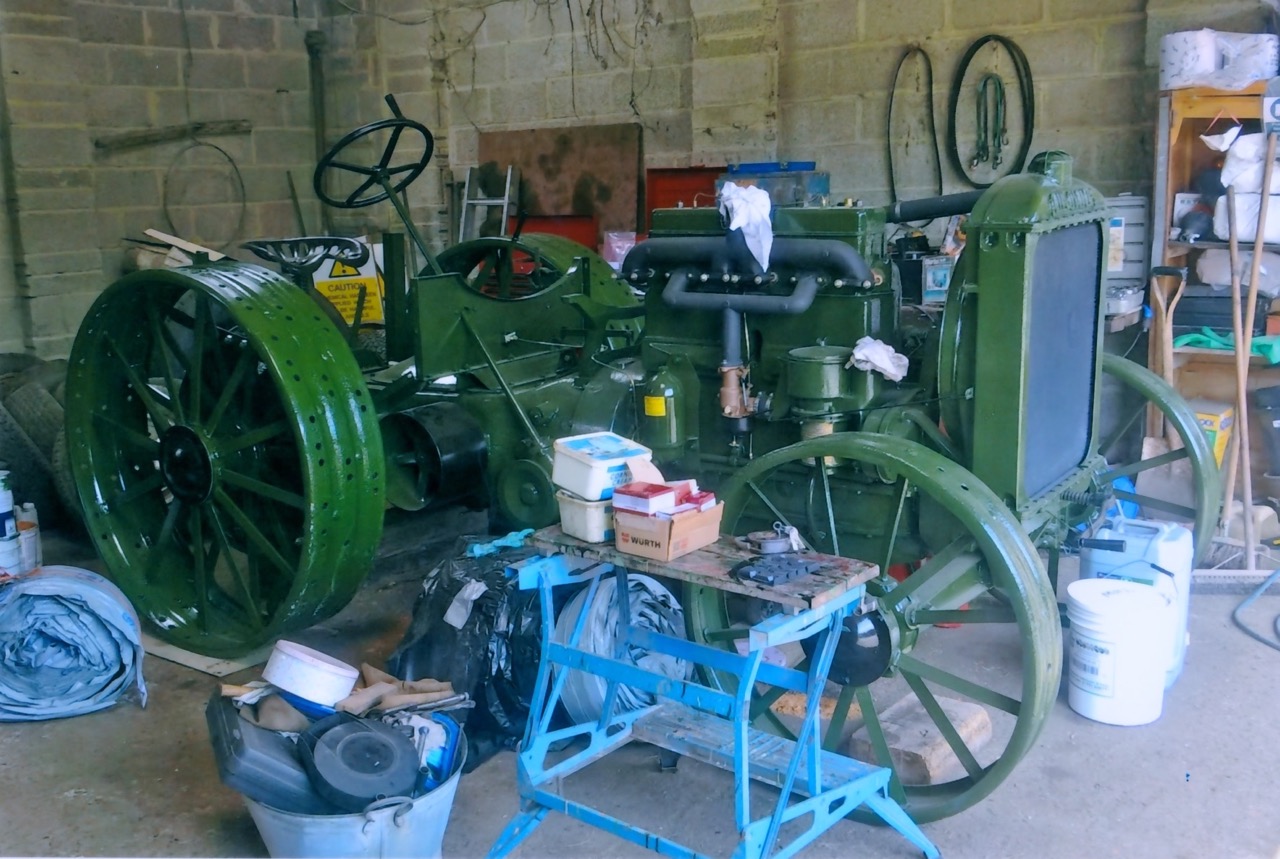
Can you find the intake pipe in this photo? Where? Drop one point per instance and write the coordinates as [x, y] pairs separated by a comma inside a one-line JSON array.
[[716, 256], [928, 208]]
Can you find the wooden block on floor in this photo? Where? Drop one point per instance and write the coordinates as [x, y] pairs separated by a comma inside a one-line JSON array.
[[920, 753], [207, 664]]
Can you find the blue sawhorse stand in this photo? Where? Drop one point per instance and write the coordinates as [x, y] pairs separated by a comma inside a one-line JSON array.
[[700, 721]]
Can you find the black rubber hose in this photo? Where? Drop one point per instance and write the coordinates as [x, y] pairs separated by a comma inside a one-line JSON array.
[[1025, 91], [933, 207]]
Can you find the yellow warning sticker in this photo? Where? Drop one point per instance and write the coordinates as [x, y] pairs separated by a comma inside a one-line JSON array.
[[344, 284], [655, 407]]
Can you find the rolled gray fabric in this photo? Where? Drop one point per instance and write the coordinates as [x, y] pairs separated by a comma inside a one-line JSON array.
[[69, 644]]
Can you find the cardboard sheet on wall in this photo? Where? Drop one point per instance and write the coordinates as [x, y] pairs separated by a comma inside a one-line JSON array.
[[590, 170]]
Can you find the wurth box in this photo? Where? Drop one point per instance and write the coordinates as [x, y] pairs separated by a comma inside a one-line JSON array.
[[663, 539]]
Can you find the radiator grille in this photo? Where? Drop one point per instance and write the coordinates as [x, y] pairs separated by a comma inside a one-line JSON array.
[[1061, 360]]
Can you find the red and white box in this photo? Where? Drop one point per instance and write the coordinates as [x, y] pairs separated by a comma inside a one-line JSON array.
[[647, 499]]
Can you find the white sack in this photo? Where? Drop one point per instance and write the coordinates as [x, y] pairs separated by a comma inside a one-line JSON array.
[[748, 209], [1247, 218], [1214, 266]]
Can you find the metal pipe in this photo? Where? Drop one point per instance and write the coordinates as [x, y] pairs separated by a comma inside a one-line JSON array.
[[315, 41], [676, 293], [506, 389], [715, 256], [731, 336], [927, 208], [399, 334]]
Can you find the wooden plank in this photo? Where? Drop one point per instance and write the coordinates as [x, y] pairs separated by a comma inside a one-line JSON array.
[[150, 136], [710, 567], [709, 739], [184, 245]]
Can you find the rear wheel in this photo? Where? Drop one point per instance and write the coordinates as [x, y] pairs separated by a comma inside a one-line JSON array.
[[973, 619], [226, 453]]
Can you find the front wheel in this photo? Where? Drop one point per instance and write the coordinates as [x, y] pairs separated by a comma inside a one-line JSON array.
[[970, 636]]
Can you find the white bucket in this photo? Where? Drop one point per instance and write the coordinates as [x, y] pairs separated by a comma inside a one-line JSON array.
[[389, 828], [1118, 650], [1152, 548], [309, 674]]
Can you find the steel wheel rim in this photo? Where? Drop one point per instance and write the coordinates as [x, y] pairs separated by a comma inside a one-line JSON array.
[[1207, 494], [251, 503], [1014, 568]]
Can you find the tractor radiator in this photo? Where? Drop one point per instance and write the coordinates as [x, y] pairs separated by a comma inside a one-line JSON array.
[[1062, 345]]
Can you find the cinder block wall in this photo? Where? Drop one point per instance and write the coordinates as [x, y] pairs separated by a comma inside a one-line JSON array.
[[78, 74], [710, 81]]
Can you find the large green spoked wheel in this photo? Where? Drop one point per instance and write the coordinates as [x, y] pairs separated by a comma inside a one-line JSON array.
[[972, 569], [1140, 387], [226, 454]]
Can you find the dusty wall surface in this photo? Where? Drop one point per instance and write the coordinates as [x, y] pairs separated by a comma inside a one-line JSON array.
[[709, 81]]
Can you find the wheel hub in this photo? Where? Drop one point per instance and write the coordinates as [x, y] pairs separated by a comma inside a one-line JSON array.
[[186, 465], [864, 651]]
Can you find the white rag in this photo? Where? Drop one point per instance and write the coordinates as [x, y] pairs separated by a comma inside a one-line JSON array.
[[872, 354], [748, 209]]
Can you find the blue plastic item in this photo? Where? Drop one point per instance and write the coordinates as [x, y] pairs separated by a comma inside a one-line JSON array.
[[440, 762], [310, 709]]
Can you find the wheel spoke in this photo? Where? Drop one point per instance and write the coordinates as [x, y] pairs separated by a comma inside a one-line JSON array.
[[243, 363], [942, 570], [250, 605], [831, 513], [945, 726], [1144, 465], [993, 614], [879, 745], [137, 490], [266, 490], [909, 664], [165, 535], [776, 513], [161, 416], [164, 355], [200, 560], [198, 347], [897, 523], [253, 438], [840, 715], [251, 531], [732, 633], [122, 433], [1123, 428], [1150, 503]]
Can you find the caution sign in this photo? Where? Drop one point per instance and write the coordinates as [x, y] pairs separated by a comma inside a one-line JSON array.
[[344, 285]]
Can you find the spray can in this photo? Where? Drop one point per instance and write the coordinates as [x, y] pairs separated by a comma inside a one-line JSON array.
[[8, 526], [29, 538]]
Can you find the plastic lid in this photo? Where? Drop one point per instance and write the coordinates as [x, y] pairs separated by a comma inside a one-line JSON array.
[[601, 446], [1114, 597]]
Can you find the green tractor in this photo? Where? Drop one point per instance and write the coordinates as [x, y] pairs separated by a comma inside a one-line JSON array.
[[235, 459]]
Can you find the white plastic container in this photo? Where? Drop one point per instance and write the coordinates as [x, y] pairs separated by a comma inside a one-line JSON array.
[[591, 465], [10, 556], [1150, 547], [1117, 652], [388, 829], [8, 524], [590, 521], [309, 674], [29, 538]]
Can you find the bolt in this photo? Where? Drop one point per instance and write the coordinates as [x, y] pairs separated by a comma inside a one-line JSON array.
[[704, 277], [838, 283], [724, 278]]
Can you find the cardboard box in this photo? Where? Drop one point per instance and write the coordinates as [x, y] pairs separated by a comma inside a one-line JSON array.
[[664, 539], [1216, 419]]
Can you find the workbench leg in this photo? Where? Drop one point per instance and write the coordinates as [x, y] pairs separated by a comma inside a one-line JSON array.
[[516, 831], [893, 814]]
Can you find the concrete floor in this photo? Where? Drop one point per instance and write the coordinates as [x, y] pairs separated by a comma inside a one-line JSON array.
[[1202, 781]]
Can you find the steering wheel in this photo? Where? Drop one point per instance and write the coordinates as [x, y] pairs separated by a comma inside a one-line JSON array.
[[380, 175]]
